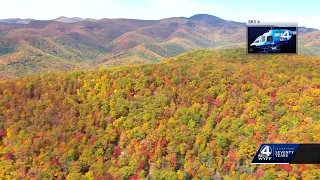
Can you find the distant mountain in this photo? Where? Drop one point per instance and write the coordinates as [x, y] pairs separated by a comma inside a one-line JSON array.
[[68, 20], [69, 43], [305, 30], [213, 20], [309, 43], [15, 21]]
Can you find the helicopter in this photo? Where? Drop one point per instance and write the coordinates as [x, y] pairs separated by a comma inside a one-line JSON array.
[[271, 40]]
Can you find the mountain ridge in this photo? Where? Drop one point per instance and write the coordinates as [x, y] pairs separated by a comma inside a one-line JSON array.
[[108, 42]]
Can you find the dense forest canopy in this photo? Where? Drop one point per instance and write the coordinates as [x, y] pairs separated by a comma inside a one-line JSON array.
[[201, 115]]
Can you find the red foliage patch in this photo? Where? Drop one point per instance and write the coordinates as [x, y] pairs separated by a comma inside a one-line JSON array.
[[53, 161], [6, 105], [133, 177], [79, 136], [259, 173], [251, 121], [232, 156], [250, 77], [227, 165], [163, 142], [273, 95], [154, 143], [258, 136], [143, 150], [286, 167], [230, 90], [272, 137], [111, 120], [174, 161], [3, 133], [140, 165], [94, 138], [116, 152], [218, 119], [270, 127], [209, 100], [107, 176], [8, 156], [302, 167], [217, 102]]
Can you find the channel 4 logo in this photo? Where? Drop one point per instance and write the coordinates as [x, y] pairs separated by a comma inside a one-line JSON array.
[[265, 153]]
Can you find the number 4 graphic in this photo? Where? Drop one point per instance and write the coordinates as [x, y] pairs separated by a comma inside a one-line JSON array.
[[266, 150], [286, 35]]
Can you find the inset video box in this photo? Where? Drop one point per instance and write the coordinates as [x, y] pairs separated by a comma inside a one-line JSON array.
[[272, 36]]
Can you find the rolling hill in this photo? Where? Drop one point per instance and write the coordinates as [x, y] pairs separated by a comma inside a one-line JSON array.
[[200, 115], [69, 43]]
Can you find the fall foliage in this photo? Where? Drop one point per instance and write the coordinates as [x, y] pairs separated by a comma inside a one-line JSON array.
[[201, 115]]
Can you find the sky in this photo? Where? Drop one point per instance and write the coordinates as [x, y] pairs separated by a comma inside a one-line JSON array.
[[306, 12]]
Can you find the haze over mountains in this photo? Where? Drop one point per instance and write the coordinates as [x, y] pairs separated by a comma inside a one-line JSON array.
[[27, 21], [33, 46], [15, 21]]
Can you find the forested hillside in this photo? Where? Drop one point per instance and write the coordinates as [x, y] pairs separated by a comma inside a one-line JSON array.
[[43, 46], [201, 115]]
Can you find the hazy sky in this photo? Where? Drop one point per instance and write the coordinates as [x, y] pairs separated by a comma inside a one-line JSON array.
[[306, 11]]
